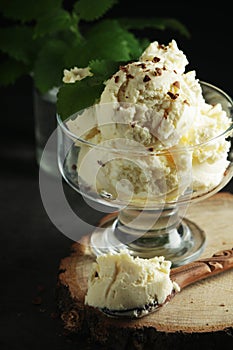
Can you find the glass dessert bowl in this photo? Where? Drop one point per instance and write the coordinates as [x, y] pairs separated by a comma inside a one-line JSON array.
[[148, 189]]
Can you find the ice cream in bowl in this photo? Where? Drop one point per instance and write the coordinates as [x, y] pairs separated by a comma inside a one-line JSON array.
[[157, 140]]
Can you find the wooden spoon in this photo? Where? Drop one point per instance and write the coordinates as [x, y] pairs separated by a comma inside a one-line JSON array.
[[183, 276]]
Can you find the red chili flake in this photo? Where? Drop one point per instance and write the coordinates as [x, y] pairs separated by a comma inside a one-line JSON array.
[[158, 71], [165, 115], [143, 65], [123, 68], [100, 163], [185, 101], [177, 84], [161, 46], [146, 78], [130, 76], [164, 68], [175, 71], [156, 59], [173, 96], [117, 79], [74, 167]]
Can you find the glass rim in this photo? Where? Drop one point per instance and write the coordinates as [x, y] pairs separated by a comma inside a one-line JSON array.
[[144, 151]]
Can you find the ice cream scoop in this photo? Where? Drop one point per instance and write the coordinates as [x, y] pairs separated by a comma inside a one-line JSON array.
[[153, 103], [122, 282], [180, 277]]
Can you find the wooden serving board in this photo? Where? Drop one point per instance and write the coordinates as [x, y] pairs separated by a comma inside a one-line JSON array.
[[200, 314]]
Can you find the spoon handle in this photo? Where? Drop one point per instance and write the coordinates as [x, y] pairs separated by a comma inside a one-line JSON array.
[[203, 268]]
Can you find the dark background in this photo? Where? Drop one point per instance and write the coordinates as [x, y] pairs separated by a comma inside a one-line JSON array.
[[31, 247]]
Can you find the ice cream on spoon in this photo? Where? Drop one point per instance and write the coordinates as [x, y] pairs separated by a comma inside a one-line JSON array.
[[122, 286]]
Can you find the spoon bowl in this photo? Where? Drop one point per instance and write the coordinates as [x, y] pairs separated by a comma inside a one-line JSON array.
[[184, 276]]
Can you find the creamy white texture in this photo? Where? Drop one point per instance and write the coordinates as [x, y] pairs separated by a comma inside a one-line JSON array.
[[166, 56], [121, 282], [155, 104], [75, 74], [160, 102]]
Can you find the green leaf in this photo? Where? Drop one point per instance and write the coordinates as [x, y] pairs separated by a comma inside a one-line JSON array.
[[174, 24], [11, 70], [74, 97], [56, 21], [108, 40], [156, 23], [17, 42], [103, 69], [49, 66], [84, 93], [144, 43], [27, 10], [75, 56], [134, 45], [90, 10]]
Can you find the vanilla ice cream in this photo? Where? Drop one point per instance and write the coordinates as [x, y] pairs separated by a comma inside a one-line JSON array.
[[155, 108], [75, 74], [122, 282]]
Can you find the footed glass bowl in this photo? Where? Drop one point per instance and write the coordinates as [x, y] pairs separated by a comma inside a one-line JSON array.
[[147, 190]]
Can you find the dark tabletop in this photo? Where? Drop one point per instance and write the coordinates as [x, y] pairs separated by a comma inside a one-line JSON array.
[[31, 247]]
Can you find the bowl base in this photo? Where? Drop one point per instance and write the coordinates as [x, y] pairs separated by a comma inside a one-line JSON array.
[[180, 245]]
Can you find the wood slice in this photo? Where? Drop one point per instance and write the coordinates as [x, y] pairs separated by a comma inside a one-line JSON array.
[[201, 314]]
